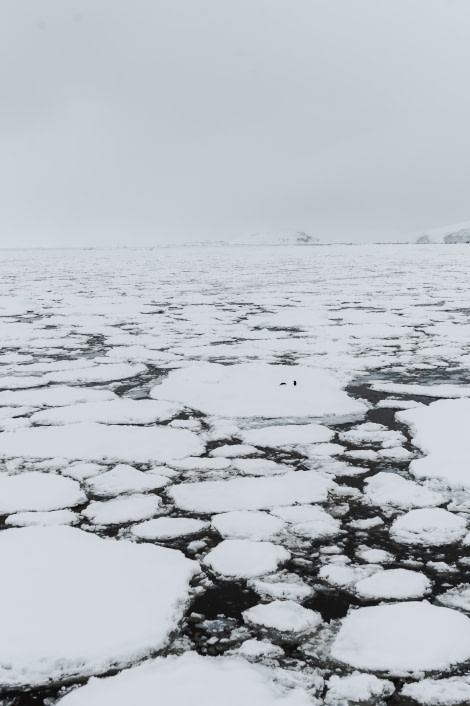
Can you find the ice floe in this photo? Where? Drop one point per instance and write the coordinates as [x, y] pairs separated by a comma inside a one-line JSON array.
[[441, 431], [243, 558], [288, 435], [394, 584], [36, 491], [283, 616], [124, 479], [403, 638], [133, 508], [244, 524], [96, 603], [31, 519], [457, 597], [164, 528], [94, 442], [189, 678], [391, 489], [357, 688], [434, 527], [255, 390], [57, 396], [454, 691], [119, 411], [251, 493]]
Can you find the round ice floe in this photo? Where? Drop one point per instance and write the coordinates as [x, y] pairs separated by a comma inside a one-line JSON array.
[[433, 527], [394, 584], [283, 616], [243, 558], [95, 442], [37, 491], [244, 524], [457, 597], [96, 603], [322, 526], [357, 688], [168, 528], [258, 648], [403, 638], [454, 691], [57, 396], [390, 489], [346, 576], [273, 587], [189, 679], [254, 389], [124, 479], [374, 556], [288, 435], [98, 373], [121, 510]]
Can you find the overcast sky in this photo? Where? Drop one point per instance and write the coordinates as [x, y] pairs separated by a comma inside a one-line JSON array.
[[150, 121]]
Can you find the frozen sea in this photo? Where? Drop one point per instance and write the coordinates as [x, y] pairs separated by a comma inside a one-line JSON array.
[[235, 475]]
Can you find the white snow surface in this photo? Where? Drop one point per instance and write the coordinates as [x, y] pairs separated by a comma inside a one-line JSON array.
[[168, 528], [244, 558], [124, 479], [395, 584], [391, 489], [255, 390], [119, 411], [403, 638], [93, 442], [251, 493], [57, 396], [187, 679], [283, 616], [288, 435], [35, 491], [441, 431], [434, 526], [245, 524], [73, 604], [454, 691], [132, 508], [356, 688]]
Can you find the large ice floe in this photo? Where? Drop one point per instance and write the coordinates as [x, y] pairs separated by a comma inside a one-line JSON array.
[[403, 638], [73, 604], [189, 679], [433, 526], [441, 432], [257, 390], [92, 441]]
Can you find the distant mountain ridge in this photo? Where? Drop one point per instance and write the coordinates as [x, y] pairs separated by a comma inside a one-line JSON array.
[[456, 233]]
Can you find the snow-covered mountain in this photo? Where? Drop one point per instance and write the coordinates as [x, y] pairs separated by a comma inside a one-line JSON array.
[[456, 233]]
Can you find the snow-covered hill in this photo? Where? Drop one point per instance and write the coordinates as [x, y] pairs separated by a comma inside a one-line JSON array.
[[456, 233]]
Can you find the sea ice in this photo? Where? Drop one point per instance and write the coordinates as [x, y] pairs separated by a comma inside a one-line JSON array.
[[94, 442], [441, 431], [72, 604], [396, 584], [133, 508], [187, 679], [454, 691], [356, 688], [58, 396], [403, 638], [119, 411], [457, 597], [434, 527], [245, 524], [320, 526], [168, 528], [54, 517], [391, 489], [255, 390], [283, 616], [36, 491], [124, 479], [288, 435], [243, 558], [98, 373], [251, 493]]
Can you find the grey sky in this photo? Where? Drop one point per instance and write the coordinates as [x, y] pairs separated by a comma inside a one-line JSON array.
[[147, 121]]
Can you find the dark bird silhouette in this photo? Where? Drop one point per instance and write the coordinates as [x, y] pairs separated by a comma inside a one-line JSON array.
[[282, 383], [295, 382]]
